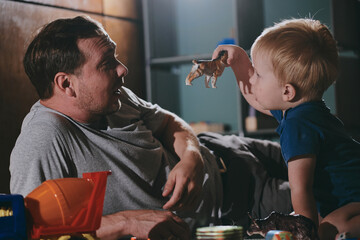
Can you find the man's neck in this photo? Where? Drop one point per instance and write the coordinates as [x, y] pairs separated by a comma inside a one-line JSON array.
[[70, 110]]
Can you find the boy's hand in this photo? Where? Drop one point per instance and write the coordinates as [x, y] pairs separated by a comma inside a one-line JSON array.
[[240, 63], [235, 53]]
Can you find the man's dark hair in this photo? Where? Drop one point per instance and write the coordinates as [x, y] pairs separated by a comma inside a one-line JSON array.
[[54, 49]]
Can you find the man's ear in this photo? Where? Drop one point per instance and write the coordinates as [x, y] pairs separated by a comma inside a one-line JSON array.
[[289, 92], [64, 84]]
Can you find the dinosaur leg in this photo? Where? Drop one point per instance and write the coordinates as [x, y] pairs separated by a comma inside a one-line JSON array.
[[194, 73], [213, 81], [207, 79]]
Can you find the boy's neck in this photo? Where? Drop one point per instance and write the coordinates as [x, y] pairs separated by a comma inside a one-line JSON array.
[[294, 104], [298, 102]]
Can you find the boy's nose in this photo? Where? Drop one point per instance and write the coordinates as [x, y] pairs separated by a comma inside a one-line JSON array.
[[252, 79], [251, 75]]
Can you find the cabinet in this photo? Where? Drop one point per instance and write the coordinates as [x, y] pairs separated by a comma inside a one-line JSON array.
[[19, 21], [178, 31], [346, 25]]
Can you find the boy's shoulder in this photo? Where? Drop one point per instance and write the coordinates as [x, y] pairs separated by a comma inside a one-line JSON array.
[[305, 110], [312, 110]]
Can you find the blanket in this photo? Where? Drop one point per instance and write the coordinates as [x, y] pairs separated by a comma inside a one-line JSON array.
[[255, 180]]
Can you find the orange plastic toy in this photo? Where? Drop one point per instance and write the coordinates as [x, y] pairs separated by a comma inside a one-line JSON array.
[[67, 205]]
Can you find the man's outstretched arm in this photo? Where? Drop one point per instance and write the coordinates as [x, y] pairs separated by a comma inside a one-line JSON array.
[[143, 224]]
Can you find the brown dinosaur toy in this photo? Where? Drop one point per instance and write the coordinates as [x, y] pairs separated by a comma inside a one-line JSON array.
[[210, 68], [302, 228]]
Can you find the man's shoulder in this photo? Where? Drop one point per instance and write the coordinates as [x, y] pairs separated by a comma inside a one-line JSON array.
[[42, 130], [45, 120]]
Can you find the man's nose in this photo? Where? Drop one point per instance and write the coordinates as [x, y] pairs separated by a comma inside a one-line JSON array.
[[122, 70]]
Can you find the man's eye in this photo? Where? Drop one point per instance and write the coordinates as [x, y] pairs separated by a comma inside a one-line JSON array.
[[108, 65]]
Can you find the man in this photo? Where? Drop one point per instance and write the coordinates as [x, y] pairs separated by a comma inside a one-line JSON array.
[[86, 121], [163, 183]]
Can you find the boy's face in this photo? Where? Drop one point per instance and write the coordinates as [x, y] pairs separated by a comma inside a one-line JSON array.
[[264, 84]]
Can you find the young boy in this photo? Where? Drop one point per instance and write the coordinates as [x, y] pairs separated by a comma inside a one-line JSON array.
[[293, 63]]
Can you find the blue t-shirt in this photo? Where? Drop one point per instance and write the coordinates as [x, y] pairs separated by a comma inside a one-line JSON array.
[[310, 128]]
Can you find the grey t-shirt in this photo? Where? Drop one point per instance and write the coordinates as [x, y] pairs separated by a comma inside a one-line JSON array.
[[52, 145]]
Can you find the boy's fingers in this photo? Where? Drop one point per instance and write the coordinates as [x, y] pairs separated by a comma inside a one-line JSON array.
[[229, 60], [216, 51], [215, 54]]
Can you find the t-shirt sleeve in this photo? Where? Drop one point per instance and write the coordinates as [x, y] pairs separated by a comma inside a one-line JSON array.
[[151, 114], [297, 139]]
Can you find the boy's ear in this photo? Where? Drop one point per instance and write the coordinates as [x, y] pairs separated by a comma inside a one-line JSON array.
[[64, 84], [289, 92]]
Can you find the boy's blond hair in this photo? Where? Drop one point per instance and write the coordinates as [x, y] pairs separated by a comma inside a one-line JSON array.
[[303, 53]]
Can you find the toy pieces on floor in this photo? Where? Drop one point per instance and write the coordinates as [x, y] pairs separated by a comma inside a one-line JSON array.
[[219, 232], [212, 69], [299, 226], [278, 235], [12, 217], [84, 236], [345, 236]]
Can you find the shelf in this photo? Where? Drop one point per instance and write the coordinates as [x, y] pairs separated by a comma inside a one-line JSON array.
[[266, 131], [178, 59], [166, 33]]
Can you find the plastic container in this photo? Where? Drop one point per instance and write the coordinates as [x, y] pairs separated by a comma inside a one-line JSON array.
[[221, 232], [13, 226], [278, 235], [67, 205]]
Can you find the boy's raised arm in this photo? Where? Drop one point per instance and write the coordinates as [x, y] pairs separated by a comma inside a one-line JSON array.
[[242, 67]]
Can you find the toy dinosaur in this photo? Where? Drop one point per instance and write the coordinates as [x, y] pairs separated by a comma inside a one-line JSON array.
[[302, 228], [210, 68]]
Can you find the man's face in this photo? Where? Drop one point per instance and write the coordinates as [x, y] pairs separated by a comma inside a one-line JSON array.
[[99, 79]]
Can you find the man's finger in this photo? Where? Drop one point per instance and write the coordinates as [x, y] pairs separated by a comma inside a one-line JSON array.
[[192, 197], [175, 198], [173, 228], [181, 230], [169, 186]]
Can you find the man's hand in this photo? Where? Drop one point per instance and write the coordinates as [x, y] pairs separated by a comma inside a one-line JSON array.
[[185, 182], [143, 224]]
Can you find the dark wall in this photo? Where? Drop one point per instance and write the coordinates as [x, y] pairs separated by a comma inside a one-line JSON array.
[[347, 95], [18, 22]]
